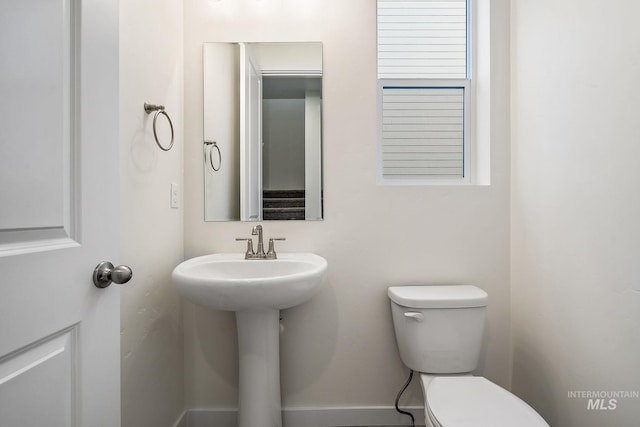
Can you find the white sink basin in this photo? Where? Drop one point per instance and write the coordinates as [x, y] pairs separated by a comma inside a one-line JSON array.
[[229, 282], [256, 290]]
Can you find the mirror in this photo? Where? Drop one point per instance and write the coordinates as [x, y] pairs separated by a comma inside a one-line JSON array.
[[262, 131]]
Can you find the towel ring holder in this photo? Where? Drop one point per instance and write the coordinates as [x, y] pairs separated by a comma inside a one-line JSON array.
[[214, 144], [159, 109]]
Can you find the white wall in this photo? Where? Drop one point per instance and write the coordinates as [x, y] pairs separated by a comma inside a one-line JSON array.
[[222, 125], [151, 232], [575, 206], [288, 57], [339, 349], [313, 154], [283, 136]]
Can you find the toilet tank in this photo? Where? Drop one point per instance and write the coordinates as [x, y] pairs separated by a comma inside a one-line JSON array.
[[439, 328]]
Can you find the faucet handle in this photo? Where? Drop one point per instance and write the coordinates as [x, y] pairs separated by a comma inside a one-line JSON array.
[[250, 252], [271, 253]]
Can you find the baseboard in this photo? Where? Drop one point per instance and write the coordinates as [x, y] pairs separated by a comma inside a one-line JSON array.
[[182, 420], [309, 417]]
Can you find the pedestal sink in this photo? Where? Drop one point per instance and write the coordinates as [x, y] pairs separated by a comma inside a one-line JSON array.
[[256, 290]]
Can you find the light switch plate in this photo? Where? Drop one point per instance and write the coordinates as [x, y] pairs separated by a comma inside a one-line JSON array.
[[175, 195]]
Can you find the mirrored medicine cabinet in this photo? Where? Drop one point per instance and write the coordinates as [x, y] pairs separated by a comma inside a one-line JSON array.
[[262, 148]]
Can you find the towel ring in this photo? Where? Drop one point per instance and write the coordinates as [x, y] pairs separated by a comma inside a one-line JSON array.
[[214, 145], [159, 109]]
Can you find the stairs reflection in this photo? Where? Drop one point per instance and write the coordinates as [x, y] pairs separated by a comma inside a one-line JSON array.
[[283, 204]]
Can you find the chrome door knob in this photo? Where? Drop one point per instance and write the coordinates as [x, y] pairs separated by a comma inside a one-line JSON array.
[[105, 273]]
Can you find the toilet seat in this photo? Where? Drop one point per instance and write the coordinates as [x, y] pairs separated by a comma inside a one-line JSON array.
[[475, 402]]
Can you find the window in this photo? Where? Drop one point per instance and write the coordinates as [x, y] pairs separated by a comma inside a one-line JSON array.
[[424, 91]]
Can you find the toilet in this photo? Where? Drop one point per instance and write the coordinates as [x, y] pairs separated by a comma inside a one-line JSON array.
[[439, 334]]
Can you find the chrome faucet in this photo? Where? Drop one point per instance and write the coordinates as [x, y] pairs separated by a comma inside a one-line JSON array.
[[257, 231], [259, 253]]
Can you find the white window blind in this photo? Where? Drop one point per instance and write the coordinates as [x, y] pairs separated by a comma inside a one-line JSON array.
[[422, 39], [422, 132]]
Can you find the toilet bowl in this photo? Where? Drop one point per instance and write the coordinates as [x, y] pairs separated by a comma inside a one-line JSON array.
[[439, 334], [474, 401]]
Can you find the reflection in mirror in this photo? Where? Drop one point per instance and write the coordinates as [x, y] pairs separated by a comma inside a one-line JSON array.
[[262, 131]]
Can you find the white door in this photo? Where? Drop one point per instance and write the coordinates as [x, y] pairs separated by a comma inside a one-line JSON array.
[[59, 334], [250, 137]]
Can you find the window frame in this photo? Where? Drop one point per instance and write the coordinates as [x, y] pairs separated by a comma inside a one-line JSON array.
[[469, 123]]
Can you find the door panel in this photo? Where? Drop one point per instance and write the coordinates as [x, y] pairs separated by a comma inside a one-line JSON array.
[[50, 402], [37, 133]]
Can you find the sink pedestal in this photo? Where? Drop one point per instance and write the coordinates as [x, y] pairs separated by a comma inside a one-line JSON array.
[[256, 290], [259, 368]]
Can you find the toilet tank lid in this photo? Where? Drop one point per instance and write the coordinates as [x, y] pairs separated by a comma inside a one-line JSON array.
[[426, 296]]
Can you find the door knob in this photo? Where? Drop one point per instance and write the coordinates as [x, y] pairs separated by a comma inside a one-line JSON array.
[[105, 273]]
